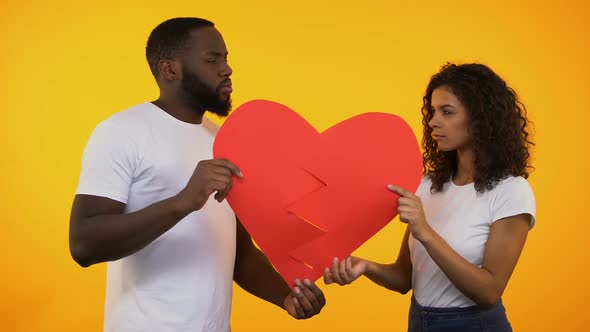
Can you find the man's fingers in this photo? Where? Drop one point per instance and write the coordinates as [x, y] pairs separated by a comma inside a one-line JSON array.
[[316, 291], [221, 178], [303, 300], [222, 189], [310, 296], [221, 170], [229, 165], [218, 186], [298, 309]]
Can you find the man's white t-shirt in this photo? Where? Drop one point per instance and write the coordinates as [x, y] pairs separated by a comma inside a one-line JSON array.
[[463, 217], [182, 281]]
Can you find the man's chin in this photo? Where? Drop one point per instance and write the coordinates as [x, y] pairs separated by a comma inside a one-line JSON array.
[[221, 111]]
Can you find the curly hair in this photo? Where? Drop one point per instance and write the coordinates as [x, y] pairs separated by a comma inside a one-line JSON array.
[[498, 127]]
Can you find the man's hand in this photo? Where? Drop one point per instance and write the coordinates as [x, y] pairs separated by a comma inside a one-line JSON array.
[[305, 300], [210, 176]]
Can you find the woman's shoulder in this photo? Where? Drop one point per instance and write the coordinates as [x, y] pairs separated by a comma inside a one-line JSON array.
[[511, 196], [424, 187], [513, 183]]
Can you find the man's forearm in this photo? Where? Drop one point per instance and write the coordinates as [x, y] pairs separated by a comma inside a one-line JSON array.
[[255, 274], [110, 237]]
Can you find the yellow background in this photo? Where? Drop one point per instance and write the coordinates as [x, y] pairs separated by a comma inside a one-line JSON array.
[[65, 66]]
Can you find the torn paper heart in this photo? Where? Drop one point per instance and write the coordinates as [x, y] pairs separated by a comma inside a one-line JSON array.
[[307, 197]]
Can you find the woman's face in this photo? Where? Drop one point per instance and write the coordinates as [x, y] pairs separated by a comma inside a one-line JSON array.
[[449, 123]]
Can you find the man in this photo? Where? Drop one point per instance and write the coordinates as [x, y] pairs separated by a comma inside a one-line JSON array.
[[151, 200]]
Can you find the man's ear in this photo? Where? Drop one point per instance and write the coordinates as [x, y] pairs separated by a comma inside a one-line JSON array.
[[169, 70]]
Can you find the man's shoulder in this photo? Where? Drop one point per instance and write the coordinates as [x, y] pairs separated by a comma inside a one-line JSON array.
[[132, 115], [132, 120]]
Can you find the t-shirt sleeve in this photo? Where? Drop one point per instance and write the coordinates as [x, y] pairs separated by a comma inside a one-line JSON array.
[[108, 163], [424, 187], [513, 197]]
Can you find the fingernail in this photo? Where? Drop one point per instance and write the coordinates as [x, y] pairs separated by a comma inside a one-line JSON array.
[[307, 282], [297, 282], [390, 186], [297, 290]]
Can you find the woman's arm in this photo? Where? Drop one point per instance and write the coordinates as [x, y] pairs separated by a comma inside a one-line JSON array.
[[396, 276], [484, 285]]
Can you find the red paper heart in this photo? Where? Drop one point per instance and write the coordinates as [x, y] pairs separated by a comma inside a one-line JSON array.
[[308, 197]]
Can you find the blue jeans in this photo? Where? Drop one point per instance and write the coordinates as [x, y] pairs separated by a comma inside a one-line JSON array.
[[470, 319]]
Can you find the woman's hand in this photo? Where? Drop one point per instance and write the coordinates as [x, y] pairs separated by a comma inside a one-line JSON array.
[[411, 212], [346, 271]]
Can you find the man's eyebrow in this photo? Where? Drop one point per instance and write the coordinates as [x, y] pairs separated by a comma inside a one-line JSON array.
[[215, 53]]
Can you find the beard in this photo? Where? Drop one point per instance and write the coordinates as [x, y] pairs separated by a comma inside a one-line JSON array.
[[197, 94]]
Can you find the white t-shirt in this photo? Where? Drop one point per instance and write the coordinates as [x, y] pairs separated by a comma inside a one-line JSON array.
[[463, 217], [182, 281]]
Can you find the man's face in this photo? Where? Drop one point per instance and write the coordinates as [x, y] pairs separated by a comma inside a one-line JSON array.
[[206, 74]]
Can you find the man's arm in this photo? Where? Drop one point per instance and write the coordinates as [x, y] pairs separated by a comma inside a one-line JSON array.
[[100, 231], [255, 274]]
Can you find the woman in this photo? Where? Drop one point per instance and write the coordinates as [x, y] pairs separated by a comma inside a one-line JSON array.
[[468, 222]]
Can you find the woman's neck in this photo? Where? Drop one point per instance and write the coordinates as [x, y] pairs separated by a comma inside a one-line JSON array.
[[465, 167]]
